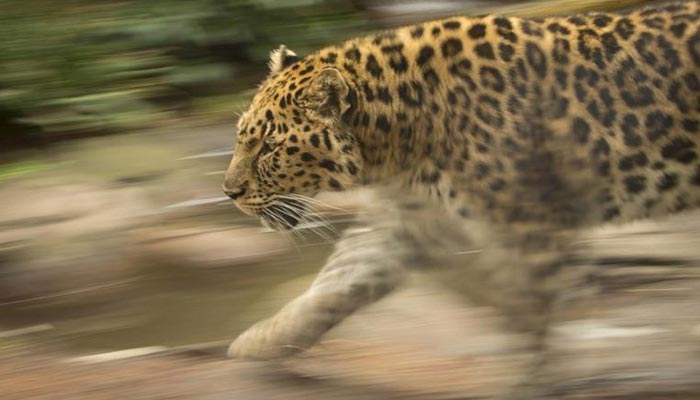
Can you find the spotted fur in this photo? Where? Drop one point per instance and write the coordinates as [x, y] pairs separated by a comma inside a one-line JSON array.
[[538, 126]]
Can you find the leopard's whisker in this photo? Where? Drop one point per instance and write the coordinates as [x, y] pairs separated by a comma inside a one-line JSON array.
[[311, 216], [280, 221], [317, 226], [285, 234], [309, 200], [322, 221], [320, 226], [297, 211], [312, 208]]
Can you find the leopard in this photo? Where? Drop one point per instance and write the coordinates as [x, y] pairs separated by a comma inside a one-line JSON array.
[[511, 134]]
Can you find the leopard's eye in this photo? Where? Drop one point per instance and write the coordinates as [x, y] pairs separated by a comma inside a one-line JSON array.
[[269, 144], [266, 148]]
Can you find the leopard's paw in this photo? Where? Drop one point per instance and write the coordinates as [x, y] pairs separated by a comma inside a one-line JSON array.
[[259, 343]]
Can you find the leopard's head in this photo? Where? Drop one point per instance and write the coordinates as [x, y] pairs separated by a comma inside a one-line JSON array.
[[292, 143]]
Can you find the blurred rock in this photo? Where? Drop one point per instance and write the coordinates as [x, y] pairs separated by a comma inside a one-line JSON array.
[[635, 338], [78, 239], [209, 246], [60, 238]]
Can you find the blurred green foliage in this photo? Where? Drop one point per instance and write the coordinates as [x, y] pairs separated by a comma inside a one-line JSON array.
[[84, 66], [75, 67]]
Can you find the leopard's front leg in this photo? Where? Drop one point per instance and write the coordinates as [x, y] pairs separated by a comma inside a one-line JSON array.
[[365, 266]]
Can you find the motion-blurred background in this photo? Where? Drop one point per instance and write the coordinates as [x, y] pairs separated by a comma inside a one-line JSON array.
[[117, 119], [74, 68]]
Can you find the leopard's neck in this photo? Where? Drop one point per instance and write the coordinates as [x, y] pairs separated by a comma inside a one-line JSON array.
[[398, 101]]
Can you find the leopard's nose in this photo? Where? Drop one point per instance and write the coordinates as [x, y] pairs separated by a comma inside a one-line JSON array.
[[233, 192]]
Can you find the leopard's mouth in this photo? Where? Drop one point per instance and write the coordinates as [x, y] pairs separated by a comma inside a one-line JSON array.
[[283, 215]]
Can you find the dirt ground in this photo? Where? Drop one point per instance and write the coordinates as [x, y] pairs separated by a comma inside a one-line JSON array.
[[638, 339], [373, 356], [49, 376]]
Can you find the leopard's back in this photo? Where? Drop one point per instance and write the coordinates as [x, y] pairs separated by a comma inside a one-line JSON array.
[[602, 108]]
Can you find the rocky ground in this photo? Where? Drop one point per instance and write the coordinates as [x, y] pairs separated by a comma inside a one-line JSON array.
[[639, 340]]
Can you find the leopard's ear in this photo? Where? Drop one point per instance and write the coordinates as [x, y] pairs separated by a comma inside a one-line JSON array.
[[327, 94], [281, 58]]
